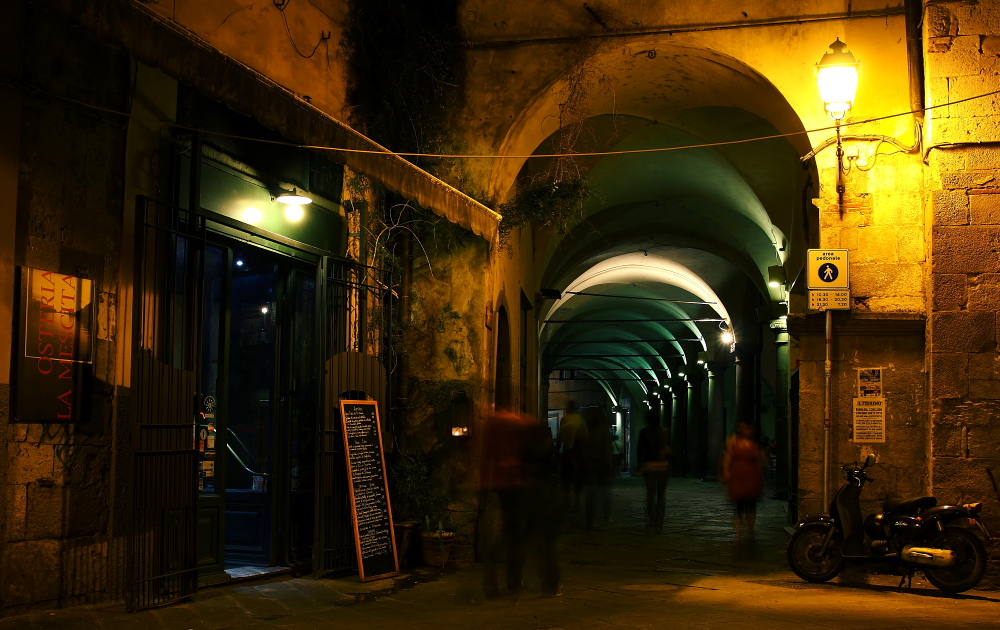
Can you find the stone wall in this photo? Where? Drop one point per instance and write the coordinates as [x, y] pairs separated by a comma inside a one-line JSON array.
[[69, 203], [862, 340], [963, 60]]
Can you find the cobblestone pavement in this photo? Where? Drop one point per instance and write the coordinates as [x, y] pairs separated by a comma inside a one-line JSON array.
[[691, 575]]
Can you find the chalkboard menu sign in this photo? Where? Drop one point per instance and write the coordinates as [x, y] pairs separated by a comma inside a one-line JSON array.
[[376, 542]]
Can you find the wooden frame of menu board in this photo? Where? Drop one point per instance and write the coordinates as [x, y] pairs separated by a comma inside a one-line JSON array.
[[370, 507]]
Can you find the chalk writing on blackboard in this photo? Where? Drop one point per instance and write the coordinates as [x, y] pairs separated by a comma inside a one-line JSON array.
[[373, 527]]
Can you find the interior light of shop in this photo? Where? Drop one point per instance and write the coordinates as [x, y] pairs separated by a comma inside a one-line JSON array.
[[838, 79], [701, 362], [294, 212], [263, 310], [239, 263], [293, 197], [253, 215]]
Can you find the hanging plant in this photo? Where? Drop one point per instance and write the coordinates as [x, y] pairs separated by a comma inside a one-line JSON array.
[[555, 204]]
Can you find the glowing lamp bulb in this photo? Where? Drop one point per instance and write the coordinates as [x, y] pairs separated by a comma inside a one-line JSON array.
[[838, 79]]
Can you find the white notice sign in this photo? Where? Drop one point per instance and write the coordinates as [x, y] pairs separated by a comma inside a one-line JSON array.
[[869, 420]]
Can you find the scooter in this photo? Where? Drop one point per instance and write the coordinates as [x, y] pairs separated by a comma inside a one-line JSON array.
[[908, 535]]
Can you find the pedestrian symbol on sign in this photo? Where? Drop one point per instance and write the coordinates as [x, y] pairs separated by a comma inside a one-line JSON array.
[[828, 272]]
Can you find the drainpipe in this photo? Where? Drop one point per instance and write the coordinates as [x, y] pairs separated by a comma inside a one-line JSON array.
[[915, 56]]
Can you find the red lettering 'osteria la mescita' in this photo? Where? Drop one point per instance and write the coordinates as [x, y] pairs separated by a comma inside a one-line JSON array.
[[56, 313]]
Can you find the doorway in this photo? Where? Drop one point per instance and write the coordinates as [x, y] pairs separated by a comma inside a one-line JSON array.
[[258, 408]]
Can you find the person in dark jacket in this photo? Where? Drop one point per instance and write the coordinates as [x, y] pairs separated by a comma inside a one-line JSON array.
[[652, 453]]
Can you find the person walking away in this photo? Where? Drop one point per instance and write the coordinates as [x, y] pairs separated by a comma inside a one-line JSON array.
[[572, 434], [743, 472], [652, 452]]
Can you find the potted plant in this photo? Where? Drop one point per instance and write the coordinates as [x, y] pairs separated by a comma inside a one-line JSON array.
[[436, 538], [416, 503], [409, 488]]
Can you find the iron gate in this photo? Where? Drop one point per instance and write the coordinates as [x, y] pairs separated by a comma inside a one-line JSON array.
[[162, 545], [354, 322], [357, 350]]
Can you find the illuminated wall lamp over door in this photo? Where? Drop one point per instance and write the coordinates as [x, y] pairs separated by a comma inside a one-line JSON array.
[[293, 199]]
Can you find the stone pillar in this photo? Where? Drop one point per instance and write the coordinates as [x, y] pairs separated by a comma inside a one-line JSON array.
[[695, 422], [678, 433], [782, 428], [716, 425], [667, 412], [746, 355]]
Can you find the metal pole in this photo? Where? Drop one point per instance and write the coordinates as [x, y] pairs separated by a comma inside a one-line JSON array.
[[827, 406], [841, 188]]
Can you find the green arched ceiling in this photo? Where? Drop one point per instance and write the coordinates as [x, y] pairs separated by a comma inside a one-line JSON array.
[[677, 242]]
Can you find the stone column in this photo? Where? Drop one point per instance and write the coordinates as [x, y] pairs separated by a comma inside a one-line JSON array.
[[716, 425], [746, 355], [678, 432], [666, 416], [695, 423], [782, 428]]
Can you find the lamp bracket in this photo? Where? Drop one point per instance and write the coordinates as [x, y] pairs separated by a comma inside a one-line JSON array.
[[862, 138]]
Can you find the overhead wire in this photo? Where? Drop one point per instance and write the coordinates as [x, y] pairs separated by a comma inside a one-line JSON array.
[[483, 156]]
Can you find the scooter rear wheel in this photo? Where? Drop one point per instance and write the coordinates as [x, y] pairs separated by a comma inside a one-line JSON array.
[[970, 561], [807, 558]]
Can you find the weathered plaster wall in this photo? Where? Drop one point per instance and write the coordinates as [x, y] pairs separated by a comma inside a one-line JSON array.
[[963, 199], [295, 44], [69, 204], [862, 341]]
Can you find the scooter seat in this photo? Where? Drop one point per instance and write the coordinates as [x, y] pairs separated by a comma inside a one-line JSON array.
[[908, 506]]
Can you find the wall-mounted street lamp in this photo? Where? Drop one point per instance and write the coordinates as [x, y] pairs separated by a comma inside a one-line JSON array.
[[837, 72], [838, 79]]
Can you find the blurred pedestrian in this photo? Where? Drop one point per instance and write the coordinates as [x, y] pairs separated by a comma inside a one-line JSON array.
[[743, 472], [572, 434], [652, 453], [518, 466]]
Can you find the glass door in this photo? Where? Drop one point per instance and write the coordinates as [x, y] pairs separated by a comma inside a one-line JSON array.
[[258, 409]]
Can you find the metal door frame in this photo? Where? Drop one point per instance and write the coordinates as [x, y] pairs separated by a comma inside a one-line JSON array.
[[161, 552]]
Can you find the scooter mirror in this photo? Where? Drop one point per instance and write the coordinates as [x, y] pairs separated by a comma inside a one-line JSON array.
[[870, 460]]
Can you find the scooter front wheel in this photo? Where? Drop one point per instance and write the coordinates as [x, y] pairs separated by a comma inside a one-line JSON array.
[[806, 555], [970, 561]]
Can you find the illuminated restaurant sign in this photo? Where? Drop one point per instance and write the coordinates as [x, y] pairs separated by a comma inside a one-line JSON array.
[[56, 347]]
